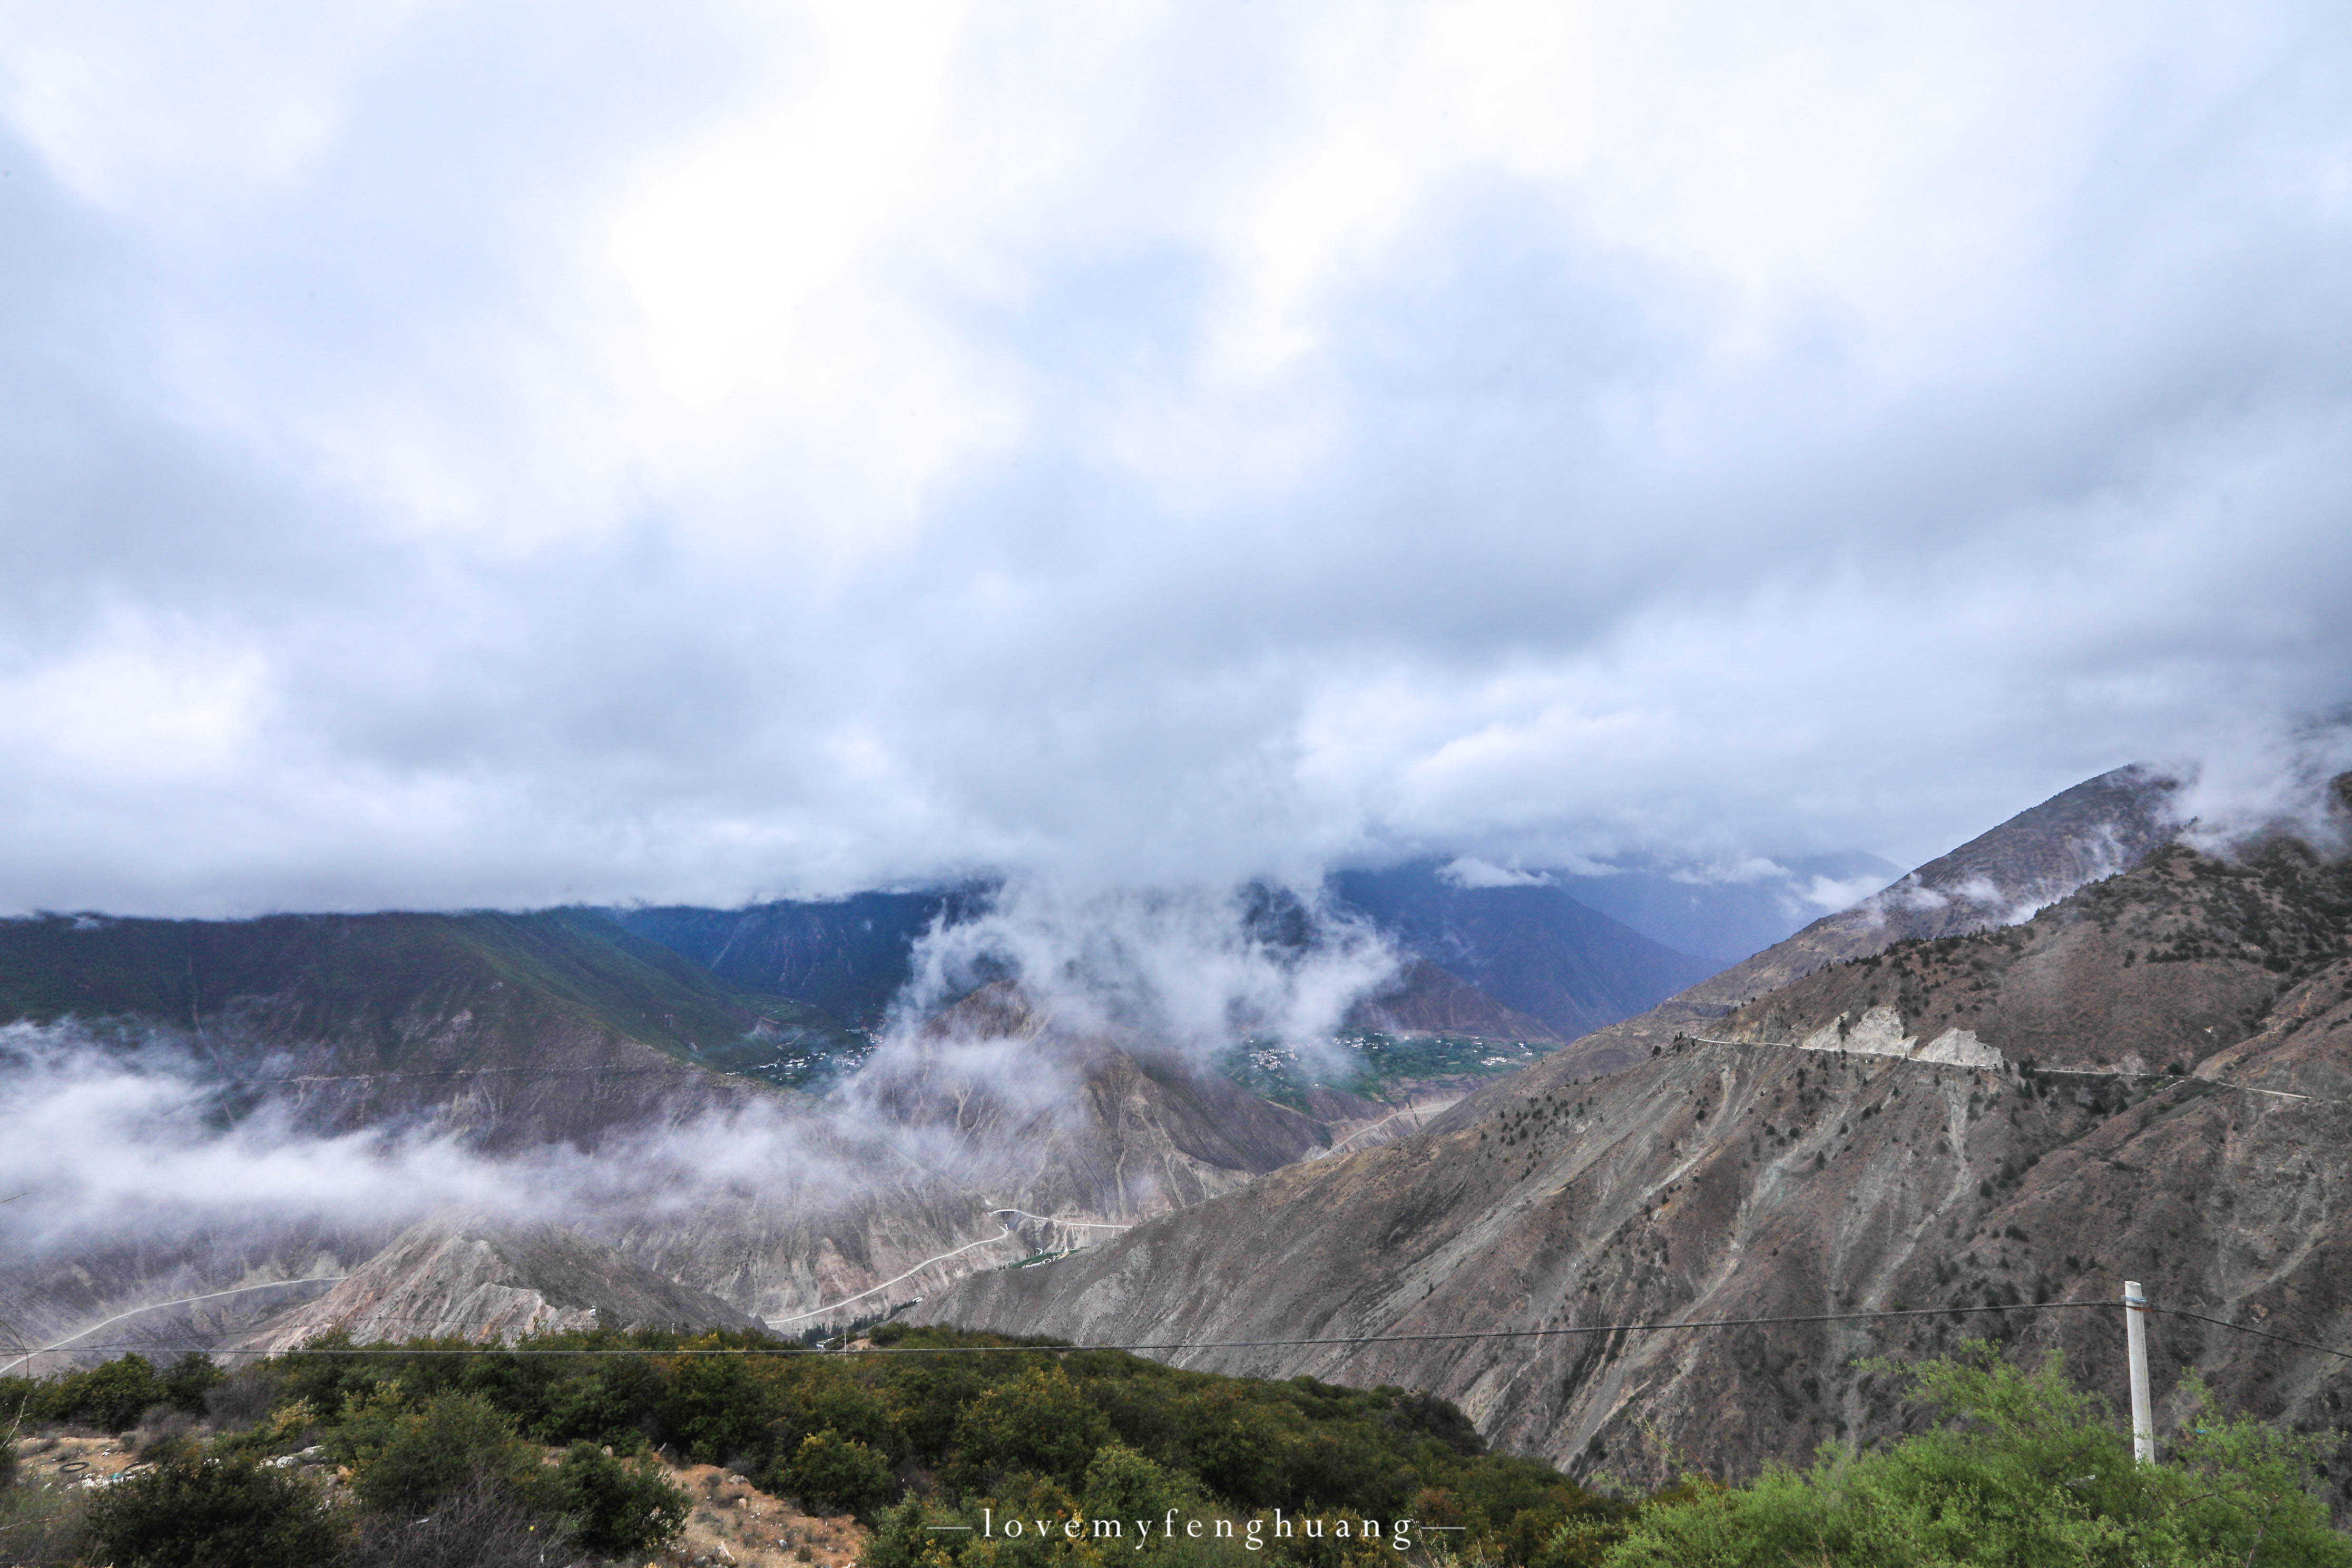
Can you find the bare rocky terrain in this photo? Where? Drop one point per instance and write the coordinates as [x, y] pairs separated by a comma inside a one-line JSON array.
[[1758, 1178], [480, 1278]]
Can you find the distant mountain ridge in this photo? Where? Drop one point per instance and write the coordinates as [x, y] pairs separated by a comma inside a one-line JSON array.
[[1532, 947], [850, 956], [1518, 963], [508, 1029]]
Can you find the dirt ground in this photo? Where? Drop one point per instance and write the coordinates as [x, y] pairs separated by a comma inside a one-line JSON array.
[[733, 1524], [60, 1460]]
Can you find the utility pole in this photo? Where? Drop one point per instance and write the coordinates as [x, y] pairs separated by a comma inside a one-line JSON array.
[[2135, 1352]]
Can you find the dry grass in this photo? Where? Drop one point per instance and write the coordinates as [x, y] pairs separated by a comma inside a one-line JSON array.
[[734, 1524]]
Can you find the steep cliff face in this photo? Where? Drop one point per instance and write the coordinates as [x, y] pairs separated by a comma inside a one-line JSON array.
[[1757, 1178]]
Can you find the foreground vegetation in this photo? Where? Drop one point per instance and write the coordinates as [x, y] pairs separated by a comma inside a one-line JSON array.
[[2022, 1470], [416, 1458]]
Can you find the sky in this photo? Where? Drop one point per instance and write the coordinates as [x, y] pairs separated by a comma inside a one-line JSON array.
[[513, 453]]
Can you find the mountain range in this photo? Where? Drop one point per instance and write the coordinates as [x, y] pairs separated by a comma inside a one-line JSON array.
[[512, 1036], [1951, 1109], [1543, 1122]]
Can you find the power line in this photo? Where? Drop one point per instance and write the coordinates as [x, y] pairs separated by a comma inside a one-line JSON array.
[[2248, 1329], [1171, 1346]]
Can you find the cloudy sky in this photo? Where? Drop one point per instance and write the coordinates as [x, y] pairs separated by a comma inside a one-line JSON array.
[[509, 452]]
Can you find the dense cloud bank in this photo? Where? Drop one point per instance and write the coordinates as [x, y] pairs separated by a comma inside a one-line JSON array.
[[497, 455]]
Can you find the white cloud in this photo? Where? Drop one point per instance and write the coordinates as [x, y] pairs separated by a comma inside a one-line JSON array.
[[1469, 872], [1831, 894], [508, 453]]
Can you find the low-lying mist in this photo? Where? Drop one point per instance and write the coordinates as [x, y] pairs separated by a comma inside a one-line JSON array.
[[107, 1143], [128, 1146]]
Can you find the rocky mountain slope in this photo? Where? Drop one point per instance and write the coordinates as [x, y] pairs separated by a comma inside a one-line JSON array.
[[1952, 1122], [482, 1280], [2098, 828]]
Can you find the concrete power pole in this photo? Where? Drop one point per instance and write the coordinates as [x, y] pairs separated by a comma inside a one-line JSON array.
[[2135, 1352]]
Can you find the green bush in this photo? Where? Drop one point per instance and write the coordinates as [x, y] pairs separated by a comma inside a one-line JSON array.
[[616, 1508], [189, 1381], [900, 1539], [603, 1403], [2025, 1471], [719, 1408], [112, 1394], [1040, 1422], [407, 1464], [204, 1512], [833, 1473], [1123, 1484]]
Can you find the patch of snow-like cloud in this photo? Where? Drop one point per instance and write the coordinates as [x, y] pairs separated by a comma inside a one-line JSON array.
[[1829, 895], [1469, 872]]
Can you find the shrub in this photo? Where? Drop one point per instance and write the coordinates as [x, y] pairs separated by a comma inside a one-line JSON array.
[[408, 1464], [899, 1540], [616, 1508], [1041, 1421], [831, 1474], [244, 1397], [110, 1395], [720, 1406], [1123, 1484], [2026, 1471], [190, 1383], [41, 1524], [198, 1511], [482, 1524]]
